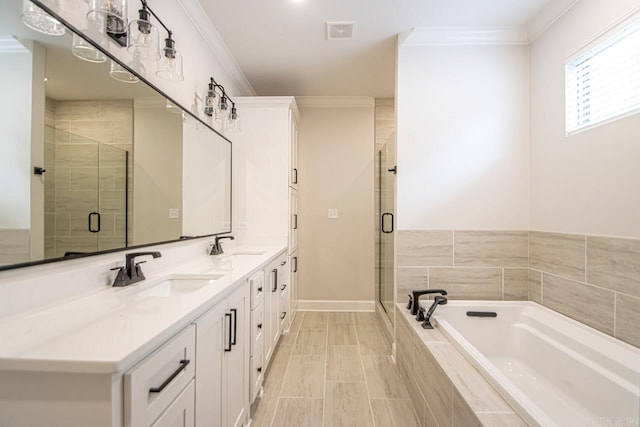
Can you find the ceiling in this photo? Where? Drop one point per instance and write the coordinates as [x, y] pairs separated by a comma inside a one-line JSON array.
[[282, 49]]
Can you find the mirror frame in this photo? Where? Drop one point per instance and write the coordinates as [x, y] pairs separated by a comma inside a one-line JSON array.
[[184, 110]]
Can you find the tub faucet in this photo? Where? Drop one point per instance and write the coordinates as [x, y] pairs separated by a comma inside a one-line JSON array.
[[131, 272], [427, 317], [414, 298], [216, 249]]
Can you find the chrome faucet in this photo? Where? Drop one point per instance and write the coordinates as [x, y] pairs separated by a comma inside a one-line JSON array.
[[216, 249], [427, 317], [131, 272]]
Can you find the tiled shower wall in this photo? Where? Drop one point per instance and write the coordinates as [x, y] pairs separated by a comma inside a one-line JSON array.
[[86, 169], [595, 280]]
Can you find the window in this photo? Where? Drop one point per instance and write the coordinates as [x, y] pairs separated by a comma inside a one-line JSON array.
[[604, 83]]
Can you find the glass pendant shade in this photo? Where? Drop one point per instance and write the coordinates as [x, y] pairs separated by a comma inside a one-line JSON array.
[[170, 65], [85, 51], [222, 110], [39, 20], [122, 75], [143, 40], [113, 12], [233, 121], [210, 100]]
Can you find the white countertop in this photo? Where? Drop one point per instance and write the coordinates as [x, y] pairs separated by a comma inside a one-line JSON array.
[[110, 330]]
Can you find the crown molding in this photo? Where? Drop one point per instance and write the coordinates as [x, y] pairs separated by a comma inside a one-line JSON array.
[[204, 25], [549, 14], [335, 101], [9, 44], [463, 36]]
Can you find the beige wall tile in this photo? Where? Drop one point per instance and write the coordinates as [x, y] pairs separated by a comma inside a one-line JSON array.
[[587, 304], [347, 404], [298, 412], [62, 224], [110, 156], [314, 320], [516, 284], [409, 279], [491, 248], [472, 387], [436, 388], [383, 378], [305, 376], [562, 254], [342, 334], [425, 248], [14, 246], [75, 244], [49, 224], [76, 155], [49, 247], [535, 286], [76, 201], [628, 319], [62, 177], [116, 110], [79, 225], [77, 110], [343, 363], [107, 243], [311, 341], [468, 283], [614, 264], [394, 413], [83, 178], [462, 413], [112, 201]]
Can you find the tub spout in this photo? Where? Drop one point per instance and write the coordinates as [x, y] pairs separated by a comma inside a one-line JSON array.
[[415, 298], [427, 317]]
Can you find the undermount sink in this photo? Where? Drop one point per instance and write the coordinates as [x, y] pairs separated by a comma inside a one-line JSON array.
[[183, 284], [248, 253]]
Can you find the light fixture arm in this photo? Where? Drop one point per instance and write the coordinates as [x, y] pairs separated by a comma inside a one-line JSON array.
[[145, 5]]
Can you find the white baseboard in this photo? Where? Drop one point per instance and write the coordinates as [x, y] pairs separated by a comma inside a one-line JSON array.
[[330, 305]]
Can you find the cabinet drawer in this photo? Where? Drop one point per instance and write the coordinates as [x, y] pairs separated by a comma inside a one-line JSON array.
[[181, 412], [155, 382], [256, 283], [257, 373], [257, 328]]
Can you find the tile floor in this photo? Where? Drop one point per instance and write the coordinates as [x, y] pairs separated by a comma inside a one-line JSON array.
[[330, 370]]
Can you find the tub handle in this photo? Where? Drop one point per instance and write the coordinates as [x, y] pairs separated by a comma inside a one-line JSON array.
[[482, 314]]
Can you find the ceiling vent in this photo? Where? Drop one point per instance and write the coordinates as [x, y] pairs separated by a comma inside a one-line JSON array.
[[340, 30]]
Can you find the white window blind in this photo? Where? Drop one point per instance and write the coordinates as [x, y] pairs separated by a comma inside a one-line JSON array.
[[604, 83]]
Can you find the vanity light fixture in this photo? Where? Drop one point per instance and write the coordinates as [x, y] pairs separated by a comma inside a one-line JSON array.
[[218, 106], [110, 15], [39, 20], [142, 38], [210, 98], [170, 66], [84, 50], [119, 73]]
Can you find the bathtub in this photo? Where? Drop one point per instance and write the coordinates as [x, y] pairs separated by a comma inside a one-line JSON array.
[[553, 370]]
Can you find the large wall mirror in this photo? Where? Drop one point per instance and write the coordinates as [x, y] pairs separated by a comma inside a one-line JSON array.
[[89, 163]]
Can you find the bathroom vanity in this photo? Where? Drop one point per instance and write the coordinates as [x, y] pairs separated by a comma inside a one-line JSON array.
[[176, 349]]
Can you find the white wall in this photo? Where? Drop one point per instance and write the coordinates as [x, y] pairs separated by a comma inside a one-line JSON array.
[[15, 149], [157, 172], [336, 162], [585, 183], [463, 130]]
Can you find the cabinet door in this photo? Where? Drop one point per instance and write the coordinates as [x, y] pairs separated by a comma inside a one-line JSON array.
[[293, 220], [275, 303], [213, 332], [270, 305], [180, 412], [237, 360], [293, 281]]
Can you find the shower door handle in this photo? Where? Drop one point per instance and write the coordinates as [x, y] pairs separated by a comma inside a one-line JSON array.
[[382, 223], [91, 215]]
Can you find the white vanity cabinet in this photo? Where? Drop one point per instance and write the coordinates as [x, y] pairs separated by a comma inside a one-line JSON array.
[[257, 328], [222, 369]]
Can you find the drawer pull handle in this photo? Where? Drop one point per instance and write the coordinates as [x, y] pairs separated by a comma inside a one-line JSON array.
[[227, 349], [284, 314], [259, 325], [260, 369], [275, 280], [235, 325], [260, 289], [183, 365], [283, 287]]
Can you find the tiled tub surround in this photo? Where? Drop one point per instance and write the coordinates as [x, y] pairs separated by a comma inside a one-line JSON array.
[[445, 388], [595, 280]]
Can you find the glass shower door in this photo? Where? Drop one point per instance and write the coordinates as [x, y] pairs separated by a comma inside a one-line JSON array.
[[386, 170]]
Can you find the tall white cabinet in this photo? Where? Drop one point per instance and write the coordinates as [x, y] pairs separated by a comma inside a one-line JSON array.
[[265, 203]]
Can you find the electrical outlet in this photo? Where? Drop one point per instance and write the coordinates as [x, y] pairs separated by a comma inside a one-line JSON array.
[[332, 213], [174, 213]]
